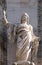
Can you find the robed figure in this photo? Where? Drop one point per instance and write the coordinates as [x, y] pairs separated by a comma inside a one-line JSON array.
[[24, 38]]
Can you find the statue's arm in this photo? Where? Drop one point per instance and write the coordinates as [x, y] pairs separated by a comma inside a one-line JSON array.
[[34, 37], [32, 32], [5, 21]]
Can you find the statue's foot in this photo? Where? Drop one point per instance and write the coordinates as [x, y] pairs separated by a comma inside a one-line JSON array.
[[24, 62], [32, 63]]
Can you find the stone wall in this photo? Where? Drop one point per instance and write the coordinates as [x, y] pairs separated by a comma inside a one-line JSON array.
[[3, 44], [40, 31]]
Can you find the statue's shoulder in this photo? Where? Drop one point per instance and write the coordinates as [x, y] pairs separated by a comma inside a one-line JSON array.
[[30, 26]]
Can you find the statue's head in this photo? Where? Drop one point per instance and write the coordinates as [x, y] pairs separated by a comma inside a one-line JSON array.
[[25, 18]]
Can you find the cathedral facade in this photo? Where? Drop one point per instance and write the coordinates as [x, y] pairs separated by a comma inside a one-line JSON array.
[[14, 9]]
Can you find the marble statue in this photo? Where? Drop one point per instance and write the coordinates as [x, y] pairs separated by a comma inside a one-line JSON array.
[[26, 39]]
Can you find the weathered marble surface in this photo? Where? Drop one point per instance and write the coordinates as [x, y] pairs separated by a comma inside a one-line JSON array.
[[11, 39]]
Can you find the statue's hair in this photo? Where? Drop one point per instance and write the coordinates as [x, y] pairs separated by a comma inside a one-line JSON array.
[[26, 15]]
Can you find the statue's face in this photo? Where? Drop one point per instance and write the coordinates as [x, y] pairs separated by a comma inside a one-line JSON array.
[[25, 18]]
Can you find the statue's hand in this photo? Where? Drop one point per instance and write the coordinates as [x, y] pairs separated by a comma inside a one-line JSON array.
[[5, 21], [4, 14]]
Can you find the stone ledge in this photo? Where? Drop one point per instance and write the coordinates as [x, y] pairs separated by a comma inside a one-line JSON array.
[[23, 62]]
